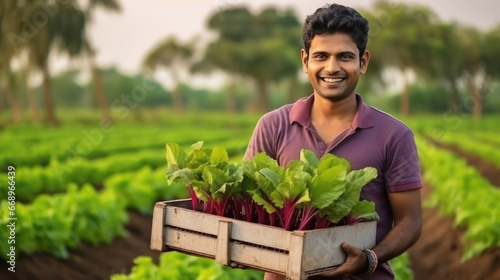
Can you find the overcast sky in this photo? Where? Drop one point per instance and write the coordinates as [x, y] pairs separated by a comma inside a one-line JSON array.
[[122, 39]]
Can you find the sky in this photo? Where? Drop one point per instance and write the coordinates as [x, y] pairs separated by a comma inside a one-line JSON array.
[[122, 39]]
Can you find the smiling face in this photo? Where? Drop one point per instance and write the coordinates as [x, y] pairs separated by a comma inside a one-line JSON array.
[[334, 66]]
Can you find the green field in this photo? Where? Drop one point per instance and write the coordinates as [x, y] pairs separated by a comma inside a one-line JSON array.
[[77, 183]]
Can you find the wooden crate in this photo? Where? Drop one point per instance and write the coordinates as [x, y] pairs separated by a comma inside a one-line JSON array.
[[296, 254]]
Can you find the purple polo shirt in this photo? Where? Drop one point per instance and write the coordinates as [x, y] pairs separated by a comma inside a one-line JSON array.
[[374, 139]]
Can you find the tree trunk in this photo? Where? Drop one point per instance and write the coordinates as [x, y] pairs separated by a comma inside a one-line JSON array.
[[32, 100], [33, 104], [477, 104], [49, 100], [263, 103], [1, 100], [15, 107], [177, 102], [404, 108], [100, 92], [231, 104], [455, 96]]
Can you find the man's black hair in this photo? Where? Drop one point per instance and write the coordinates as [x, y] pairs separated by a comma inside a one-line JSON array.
[[336, 18]]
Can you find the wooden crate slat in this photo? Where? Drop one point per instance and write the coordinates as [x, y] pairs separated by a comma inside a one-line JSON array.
[[261, 235], [259, 258], [295, 261], [241, 230], [157, 242], [191, 242], [222, 254], [322, 247]]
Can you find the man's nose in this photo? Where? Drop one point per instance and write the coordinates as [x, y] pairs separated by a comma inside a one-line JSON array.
[[332, 65]]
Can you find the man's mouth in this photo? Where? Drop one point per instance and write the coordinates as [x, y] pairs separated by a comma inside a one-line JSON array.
[[332, 80]]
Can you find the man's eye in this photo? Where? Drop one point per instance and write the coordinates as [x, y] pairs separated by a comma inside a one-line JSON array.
[[346, 56], [320, 56]]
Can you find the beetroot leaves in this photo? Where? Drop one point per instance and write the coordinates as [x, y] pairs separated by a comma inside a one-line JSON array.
[[309, 193]]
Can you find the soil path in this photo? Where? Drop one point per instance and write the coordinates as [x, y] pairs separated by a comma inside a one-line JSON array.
[[437, 254], [88, 262]]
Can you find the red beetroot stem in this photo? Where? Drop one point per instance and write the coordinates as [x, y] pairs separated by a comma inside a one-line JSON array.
[[308, 213], [261, 214], [237, 206], [248, 205], [195, 201], [322, 222], [289, 213], [221, 206]]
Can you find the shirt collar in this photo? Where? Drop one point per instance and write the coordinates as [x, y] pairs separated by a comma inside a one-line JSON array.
[[301, 112]]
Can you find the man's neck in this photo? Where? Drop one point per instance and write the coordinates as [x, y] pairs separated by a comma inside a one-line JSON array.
[[326, 111]]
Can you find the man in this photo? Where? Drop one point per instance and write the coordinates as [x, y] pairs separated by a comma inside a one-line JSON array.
[[334, 119]]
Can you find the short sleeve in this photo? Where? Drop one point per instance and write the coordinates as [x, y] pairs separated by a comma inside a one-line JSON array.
[[402, 170], [262, 139]]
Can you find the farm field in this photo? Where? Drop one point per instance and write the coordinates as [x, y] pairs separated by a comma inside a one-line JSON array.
[[85, 193]]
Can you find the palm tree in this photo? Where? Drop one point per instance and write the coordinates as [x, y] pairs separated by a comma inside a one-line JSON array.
[[171, 55], [109, 5], [64, 30], [10, 24]]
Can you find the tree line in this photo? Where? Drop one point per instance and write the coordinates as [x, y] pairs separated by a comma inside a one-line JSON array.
[[30, 32], [408, 43]]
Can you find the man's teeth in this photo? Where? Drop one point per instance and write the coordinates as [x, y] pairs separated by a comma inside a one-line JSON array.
[[330, 80]]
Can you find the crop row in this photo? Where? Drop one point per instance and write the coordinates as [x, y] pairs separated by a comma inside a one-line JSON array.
[[32, 134], [100, 145], [488, 137], [53, 223], [453, 123], [462, 192], [57, 175], [175, 266], [487, 151]]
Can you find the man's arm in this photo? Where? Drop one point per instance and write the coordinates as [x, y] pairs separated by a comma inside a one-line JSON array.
[[406, 206], [407, 210]]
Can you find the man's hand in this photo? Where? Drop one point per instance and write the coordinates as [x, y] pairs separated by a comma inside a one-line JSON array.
[[355, 262]]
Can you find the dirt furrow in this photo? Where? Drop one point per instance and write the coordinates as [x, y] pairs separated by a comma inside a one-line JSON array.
[[88, 262]]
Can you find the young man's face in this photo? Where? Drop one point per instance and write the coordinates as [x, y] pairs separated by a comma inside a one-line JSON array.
[[334, 66]]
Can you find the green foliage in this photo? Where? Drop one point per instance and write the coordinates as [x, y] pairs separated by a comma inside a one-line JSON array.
[[174, 266], [452, 180], [401, 267], [54, 223], [488, 152], [490, 51], [327, 184], [263, 47], [89, 142]]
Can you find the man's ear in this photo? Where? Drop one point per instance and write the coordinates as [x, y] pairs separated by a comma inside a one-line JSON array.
[[364, 62], [304, 57]]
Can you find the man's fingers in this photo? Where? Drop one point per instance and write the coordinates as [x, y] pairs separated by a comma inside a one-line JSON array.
[[237, 265], [339, 271], [351, 250]]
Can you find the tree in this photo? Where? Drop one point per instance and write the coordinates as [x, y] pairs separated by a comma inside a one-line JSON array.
[[474, 74], [173, 56], [447, 62], [10, 25], [404, 39], [99, 89], [264, 47], [204, 66], [491, 53], [64, 30]]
